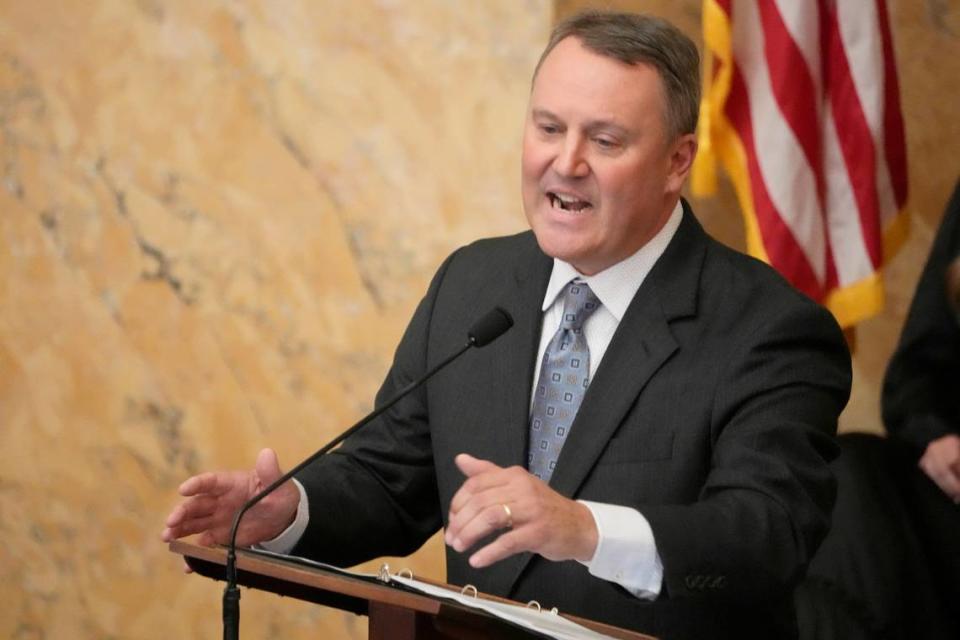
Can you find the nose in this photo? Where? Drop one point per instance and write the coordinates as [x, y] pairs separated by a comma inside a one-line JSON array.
[[570, 160]]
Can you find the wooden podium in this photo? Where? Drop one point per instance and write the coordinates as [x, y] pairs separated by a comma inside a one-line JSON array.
[[395, 614]]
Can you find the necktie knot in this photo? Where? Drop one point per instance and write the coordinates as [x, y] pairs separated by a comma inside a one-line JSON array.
[[578, 303]]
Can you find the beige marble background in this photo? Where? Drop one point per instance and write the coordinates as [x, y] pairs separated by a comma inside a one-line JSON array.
[[216, 217]]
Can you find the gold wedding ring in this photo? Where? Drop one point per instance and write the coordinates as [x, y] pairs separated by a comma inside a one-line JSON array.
[[509, 513]]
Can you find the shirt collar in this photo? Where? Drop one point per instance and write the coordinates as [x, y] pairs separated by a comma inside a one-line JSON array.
[[615, 286]]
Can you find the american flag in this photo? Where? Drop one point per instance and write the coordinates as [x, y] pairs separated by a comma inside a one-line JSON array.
[[802, 108]]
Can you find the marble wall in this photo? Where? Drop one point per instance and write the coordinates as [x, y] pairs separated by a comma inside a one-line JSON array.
[[215, 219]]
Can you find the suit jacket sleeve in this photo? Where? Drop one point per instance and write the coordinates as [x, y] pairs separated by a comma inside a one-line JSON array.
[[766, 501], [920, 399]]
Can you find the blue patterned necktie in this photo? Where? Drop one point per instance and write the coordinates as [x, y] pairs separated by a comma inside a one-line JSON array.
[[564, 377]]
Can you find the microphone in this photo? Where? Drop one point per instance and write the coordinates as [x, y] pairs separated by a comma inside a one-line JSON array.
[[488, 328]]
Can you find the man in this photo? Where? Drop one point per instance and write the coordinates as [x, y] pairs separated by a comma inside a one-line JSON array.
[[667, 470], [921, 410]]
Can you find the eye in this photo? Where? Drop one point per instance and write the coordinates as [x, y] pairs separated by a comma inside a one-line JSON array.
[[548, 128], [605, 143]]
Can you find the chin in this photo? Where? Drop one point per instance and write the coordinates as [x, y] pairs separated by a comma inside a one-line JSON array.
[[566, 249]]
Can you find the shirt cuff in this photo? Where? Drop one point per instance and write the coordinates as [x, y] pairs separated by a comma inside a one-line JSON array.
[[288, 539], [626, 550]]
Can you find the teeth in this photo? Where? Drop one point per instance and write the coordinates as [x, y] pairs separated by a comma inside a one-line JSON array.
[[566, 202]]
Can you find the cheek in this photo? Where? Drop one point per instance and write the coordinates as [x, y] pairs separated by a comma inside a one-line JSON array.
[[530, 163], [535, 156], [620, 184], [630, 182], [530, 175]]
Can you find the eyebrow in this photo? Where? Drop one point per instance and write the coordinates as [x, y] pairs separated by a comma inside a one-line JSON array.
[[591, 125]]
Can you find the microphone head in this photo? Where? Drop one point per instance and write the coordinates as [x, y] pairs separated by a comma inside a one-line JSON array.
[[490, 327]]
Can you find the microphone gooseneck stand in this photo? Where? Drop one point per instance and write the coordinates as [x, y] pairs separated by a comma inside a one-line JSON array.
[[490, 327]]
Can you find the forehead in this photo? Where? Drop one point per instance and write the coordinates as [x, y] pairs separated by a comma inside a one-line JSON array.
[[576, 79]]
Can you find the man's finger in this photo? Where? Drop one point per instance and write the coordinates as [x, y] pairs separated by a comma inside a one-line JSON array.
[[471, 466], [947, 482], [210, 482], [208, 539], [478, 524], [955, 467], [189, 527], [267, 466], [508, 544], [952, 485], [486, 476], [201, 506], [477, 487], [175, 517], [460, 516]]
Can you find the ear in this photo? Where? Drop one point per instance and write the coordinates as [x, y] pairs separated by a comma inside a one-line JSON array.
[[682, 153]]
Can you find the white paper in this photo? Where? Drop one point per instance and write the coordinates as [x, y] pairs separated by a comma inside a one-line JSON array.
[[545, 621]]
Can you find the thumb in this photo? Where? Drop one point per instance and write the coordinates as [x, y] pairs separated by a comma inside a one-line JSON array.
[[471, 466], [267, 467]]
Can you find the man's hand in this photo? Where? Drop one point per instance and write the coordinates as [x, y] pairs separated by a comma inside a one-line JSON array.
[[212, 500], [941, 461], [536, 517]]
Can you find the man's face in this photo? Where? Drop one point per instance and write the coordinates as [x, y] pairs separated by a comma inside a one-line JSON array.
[[600, 176]]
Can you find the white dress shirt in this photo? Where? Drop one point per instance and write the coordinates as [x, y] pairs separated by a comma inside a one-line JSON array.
[[626, 551]]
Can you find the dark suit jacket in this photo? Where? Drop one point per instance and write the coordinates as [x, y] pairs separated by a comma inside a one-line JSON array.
[[920, 399], [712, 412], [921, 404]]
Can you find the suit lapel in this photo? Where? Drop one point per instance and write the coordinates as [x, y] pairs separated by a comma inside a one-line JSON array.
[[633, 356], [524, 303], [642, 343]]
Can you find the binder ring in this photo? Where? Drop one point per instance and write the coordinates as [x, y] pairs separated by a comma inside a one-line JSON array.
[[533, 604], [405, 573], [383, 575], [467, 589]]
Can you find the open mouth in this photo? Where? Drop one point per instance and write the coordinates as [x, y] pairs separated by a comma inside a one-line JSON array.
[[566, 202]]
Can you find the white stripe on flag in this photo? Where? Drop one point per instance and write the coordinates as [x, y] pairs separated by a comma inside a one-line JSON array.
[[787, 176], [860, 31], [803, 22], [845, 233]]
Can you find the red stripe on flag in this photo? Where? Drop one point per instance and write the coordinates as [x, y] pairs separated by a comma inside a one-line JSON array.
[[856, 141], [894, 138], [833, 279], [785, 253], [793, 88]]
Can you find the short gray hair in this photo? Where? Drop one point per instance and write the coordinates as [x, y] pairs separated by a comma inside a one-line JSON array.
[[636, 38]]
